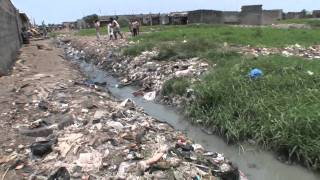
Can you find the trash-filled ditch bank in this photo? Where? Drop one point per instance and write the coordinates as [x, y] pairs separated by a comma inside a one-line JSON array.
[[256, 164]]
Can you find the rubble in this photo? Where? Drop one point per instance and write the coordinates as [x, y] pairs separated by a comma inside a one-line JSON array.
[[70, 129], [127, 144], [142, 70]]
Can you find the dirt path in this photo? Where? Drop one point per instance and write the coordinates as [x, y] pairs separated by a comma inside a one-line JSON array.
[[37, 73]]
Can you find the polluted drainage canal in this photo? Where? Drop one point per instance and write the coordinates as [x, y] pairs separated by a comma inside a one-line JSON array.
[[256, 164]]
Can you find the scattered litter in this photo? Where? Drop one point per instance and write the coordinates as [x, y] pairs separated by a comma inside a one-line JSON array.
[[42, 148], [255, 73], [150, 96], [90, 161], [60, 174]]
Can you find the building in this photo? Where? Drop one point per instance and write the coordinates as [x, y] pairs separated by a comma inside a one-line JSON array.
[[10, 34], [205, 16], [69, 25], [295, 15], [316, 14], [24, 20], [81, 24], [251, 15], [231, 17], [151, 19], [164, 19], [178, 18], [271, 16]]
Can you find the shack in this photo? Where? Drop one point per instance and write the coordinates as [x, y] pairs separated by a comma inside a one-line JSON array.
[[151, 19], [205, 16], [316, 14], [271, 16], [231, 17], [81, 24], [178, 18], [104, 20], [69, 25], [164, 19], [251, 15], [295, 15]]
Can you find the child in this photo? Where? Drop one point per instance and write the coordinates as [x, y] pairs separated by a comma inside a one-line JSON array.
[[97, 26], [110, 31]]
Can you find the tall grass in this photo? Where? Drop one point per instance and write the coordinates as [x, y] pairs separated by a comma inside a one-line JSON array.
[[280, 110]]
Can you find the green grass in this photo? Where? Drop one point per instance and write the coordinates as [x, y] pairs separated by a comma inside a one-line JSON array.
[[312, 22], [261, 37], [175, 86], [91, 32], [280, 110]]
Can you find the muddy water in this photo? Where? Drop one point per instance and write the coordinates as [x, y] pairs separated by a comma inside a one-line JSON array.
[[257, 165]]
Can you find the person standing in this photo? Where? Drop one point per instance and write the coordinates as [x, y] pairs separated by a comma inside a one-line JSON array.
[[110, 31], [116, 28], [97, 26], [135, 28]]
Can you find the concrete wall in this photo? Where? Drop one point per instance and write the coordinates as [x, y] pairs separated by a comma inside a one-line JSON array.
[[164, 19], [10, 39], [295, 15], [231, 17], [271, 16], [205, 16], [251, 15]]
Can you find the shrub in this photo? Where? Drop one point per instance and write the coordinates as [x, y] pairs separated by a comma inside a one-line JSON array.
[[175, 86]]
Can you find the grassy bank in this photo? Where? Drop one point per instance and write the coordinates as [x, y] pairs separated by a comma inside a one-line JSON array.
[[315, 23], [280, 110], [265, 37]]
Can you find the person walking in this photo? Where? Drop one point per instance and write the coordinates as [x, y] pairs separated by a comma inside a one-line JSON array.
[[116, 28], [97, 26]]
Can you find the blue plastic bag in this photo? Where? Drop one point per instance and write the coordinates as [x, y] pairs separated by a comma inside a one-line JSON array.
[[255, 73]]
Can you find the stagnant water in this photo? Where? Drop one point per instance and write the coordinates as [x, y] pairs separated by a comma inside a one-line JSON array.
[[256, 164]]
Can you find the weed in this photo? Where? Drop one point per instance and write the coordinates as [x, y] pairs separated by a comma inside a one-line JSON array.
[[175, 86]]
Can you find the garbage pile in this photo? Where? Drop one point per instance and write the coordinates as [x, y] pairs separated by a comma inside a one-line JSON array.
[[80, 132], [312, 52], [143, 70]]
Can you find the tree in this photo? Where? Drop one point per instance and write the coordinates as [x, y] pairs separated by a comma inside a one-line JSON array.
[[91, 19]]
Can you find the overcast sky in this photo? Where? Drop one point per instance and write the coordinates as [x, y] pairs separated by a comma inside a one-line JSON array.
[[56, 11]]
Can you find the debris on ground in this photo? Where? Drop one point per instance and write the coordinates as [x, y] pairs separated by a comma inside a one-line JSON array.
[[142, 70], [312, 52], [70, 129]]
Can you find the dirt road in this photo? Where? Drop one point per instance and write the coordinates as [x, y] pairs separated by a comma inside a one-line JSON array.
[[36, 75]]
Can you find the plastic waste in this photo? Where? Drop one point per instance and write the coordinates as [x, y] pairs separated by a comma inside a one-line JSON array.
[[255, 73]]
